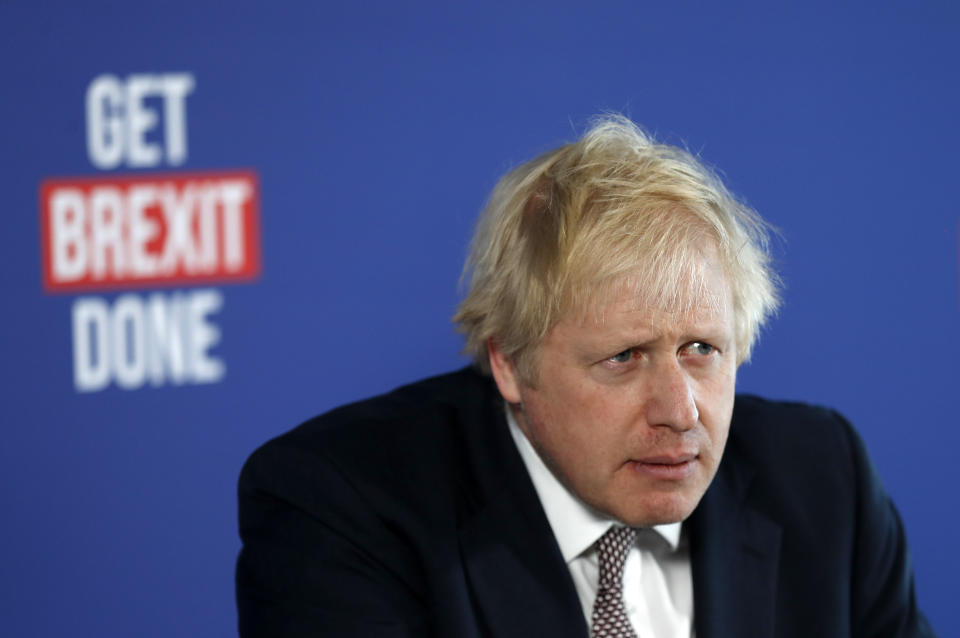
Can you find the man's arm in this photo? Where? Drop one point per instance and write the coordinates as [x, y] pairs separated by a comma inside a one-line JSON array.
[[316, 559], [883, 600]]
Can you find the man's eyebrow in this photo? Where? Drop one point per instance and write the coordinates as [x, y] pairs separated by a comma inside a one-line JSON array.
[[634, 342], [617, 343], [706, 331]]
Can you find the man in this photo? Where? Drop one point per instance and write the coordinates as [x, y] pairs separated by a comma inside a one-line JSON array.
[[593, 475]]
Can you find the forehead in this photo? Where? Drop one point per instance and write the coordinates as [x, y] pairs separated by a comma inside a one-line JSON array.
[[692, 288]]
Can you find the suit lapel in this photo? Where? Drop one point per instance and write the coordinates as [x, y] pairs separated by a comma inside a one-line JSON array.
[[735, 553], [518, 579]]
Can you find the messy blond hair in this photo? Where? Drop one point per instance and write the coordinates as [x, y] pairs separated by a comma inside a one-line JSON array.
[[613, 207]]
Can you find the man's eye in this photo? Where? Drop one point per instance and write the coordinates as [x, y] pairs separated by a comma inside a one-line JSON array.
[[700, 349], [621, 357]]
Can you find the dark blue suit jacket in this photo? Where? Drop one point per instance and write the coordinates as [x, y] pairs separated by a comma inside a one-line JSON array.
[[411, 514]]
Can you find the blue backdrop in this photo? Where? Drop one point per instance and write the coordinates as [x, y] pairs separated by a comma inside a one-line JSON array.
[[376, 130]]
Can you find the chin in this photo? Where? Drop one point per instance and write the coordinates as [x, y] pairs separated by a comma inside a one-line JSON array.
[[654, 518], [658, 511]]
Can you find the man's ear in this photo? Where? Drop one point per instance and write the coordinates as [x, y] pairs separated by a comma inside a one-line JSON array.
[[504, 372]]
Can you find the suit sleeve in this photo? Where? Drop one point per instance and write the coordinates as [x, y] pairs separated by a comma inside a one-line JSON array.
[[883, 599], [316, 559]]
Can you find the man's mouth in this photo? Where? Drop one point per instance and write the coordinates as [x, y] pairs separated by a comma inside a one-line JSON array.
[[666, 467]]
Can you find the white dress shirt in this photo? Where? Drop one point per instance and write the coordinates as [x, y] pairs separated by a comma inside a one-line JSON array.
[[657, 582]]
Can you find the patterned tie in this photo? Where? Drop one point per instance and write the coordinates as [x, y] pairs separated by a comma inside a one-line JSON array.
[[609, 617]]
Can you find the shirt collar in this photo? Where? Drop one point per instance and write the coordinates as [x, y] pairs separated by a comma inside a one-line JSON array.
[[575, 524]]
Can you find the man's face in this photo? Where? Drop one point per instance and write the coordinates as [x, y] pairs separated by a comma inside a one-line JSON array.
[[631, 407]]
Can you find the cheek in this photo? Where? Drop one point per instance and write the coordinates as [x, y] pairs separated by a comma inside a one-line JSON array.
[[716, 420], [566, 425], [715, 394], [547, 422]]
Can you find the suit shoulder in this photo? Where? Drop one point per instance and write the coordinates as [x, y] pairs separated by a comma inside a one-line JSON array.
[[756, 417], [751, 410], [397, 415], [794, 439], [388, 440]]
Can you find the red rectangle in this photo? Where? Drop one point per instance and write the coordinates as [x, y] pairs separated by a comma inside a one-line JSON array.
[[144, 230]]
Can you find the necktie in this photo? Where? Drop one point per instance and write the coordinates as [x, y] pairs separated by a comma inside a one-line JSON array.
[[609, 617]]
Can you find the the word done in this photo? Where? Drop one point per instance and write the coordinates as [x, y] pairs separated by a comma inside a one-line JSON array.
[[161, 339]]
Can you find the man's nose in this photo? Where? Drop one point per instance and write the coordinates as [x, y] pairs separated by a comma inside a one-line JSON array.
[[672, 403]]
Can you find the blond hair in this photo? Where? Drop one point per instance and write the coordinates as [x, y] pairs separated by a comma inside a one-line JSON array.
[[613, 207]]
